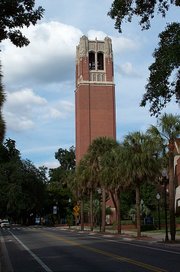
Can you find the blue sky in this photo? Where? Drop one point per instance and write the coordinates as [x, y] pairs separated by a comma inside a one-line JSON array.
[[39, 79]]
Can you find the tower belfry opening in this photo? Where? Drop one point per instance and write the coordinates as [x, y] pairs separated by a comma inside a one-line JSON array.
[[95, 93]]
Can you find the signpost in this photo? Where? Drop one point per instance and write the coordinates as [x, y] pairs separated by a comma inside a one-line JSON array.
[[76, 211]]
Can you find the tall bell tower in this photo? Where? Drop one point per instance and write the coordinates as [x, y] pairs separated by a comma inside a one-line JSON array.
[[95, 93]]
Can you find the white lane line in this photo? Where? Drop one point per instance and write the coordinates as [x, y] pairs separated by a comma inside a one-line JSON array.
[[144, 246], [46, 268], [5, 262]]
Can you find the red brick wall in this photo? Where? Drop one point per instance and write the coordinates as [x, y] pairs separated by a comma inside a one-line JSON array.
[[95, 106], [95, 115]]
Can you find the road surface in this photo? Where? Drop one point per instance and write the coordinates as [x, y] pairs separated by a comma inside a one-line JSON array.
[[29, 249]]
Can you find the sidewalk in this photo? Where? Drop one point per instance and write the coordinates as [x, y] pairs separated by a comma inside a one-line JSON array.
[[157, 236]]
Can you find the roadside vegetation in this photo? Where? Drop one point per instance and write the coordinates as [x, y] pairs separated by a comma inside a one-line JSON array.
[[129, 173]]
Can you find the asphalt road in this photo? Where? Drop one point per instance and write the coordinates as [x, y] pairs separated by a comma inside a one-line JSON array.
[[54, 249]]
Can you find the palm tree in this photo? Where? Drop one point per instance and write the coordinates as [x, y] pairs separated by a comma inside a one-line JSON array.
[[99, 148], [168, 130], [112, 176], [81, 183], [139, 164], [86, 177]]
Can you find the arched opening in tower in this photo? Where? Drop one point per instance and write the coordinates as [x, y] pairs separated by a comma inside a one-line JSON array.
[[91, 61]]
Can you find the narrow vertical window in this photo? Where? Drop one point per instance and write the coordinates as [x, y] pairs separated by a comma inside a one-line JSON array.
[[100, 61], [91, 61]]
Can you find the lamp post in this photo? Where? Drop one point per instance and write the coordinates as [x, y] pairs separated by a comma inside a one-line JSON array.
[[99, 200], [69, 215], [159, 219], [165, 182]]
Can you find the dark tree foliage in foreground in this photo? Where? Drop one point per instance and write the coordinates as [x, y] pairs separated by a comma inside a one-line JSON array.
[[164, 79], [16, 14], [123, 10]]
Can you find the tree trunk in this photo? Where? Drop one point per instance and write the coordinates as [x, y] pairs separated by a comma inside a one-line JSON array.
[[91, 210], [103, 209], [118, 211], [172, 196], [113, 197], [138, 215], [82, 214]]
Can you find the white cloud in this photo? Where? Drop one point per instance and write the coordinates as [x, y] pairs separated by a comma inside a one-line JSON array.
[[126, 69], [122, 44], [17, 122], [93, 34], [50, 164], [119, 44], [49, 57], [23, 98], [24, 109], [19, 107]]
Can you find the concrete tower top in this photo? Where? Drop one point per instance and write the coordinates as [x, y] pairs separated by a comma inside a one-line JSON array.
[[94, 61], [85, 46]]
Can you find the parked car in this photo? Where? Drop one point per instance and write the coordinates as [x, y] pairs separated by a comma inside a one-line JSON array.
[[5, 223]]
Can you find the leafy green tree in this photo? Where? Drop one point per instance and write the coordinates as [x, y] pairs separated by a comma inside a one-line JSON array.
[[58, 189], [162, 83], [168, 130], [123, 10], [164, 80], [66, 158], [29, 199], [16, 14], [13, 152], [22, 185], [140, 165]]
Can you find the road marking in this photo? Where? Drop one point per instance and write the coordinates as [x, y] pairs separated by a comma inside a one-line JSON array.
[[143, 246], [105, 253], [5, 262], [46, 268]]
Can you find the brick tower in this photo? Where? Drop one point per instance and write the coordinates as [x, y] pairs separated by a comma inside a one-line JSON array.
[[95, 93]]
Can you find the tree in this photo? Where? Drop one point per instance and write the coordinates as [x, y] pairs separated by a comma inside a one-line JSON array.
[[162, 83], [85, 183], [16, 14], [140, 165], [99, 148], [58, 189], [159, 90], [168, 129], [112, 175], [123, 10], [66, 158], [22, 184]]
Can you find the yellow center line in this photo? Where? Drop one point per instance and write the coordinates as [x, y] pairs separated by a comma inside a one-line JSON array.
[[105, 253]]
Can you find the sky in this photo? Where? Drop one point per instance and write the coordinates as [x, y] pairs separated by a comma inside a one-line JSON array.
[[39, 79]]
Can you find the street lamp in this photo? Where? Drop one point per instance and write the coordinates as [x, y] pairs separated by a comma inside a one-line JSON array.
[[165, 182], [99, 200], [158, 200], [69, 214]]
